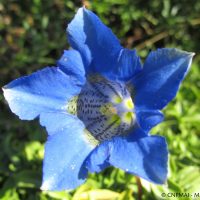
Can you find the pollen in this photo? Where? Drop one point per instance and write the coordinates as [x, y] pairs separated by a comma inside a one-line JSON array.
[[117, 99], [115, 119], [90, 138], [72, 106], [129, 103], [128, 117]]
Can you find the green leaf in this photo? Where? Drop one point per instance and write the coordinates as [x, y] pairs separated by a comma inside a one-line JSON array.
[[98, 194]]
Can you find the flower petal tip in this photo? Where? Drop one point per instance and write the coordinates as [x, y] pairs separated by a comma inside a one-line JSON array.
[[7, 94], [189, 54], [192, 54], [185, 54], [163, 181], [47, 185]]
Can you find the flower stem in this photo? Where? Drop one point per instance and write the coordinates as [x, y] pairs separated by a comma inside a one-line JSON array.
[[139, 184]]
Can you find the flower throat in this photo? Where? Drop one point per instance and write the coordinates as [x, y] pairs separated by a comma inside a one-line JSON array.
[[105, 107]]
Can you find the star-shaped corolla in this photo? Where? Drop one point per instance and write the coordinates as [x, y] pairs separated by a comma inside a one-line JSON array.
[[98, 105]]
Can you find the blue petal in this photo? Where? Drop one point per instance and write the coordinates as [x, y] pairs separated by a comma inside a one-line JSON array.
[[98, 160], [71, 63], [128, 65], [55, 122], [146, 157], [47, 90], [147, 119], [65, 153], [136, 134], [97, 44], [160, 78], [100, 49]]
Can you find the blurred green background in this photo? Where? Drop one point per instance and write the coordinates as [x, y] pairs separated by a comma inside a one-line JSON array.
[[32, 36]]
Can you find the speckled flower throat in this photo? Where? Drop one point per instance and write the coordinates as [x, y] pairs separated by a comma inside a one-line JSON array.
[[105, 107]]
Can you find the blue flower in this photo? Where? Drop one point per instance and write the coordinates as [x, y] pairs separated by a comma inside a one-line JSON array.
[[98, 105]]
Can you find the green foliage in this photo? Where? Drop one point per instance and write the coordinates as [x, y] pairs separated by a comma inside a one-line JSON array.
[[33, 36]]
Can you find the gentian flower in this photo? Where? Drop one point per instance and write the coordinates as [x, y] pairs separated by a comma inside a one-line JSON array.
[[98, 105]]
